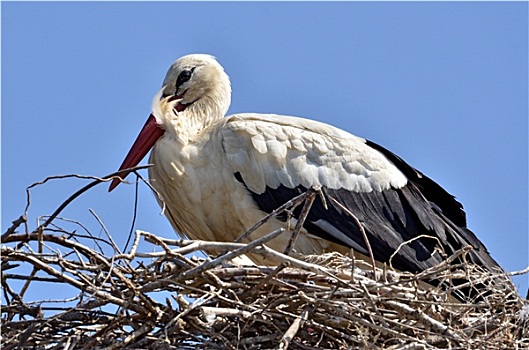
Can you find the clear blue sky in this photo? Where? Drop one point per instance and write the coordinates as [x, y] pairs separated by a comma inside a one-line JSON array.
[[443, 85]]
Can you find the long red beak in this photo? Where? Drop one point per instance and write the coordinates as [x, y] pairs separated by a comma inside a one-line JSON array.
[[148, 136]]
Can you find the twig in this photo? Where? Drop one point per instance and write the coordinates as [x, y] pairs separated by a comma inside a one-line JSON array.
[[361, 228], [293, 329], [243, 250], [133, 248], [390, 262], [309, 199], [520, 272], [22, 219], [291, 203], [96, 181]]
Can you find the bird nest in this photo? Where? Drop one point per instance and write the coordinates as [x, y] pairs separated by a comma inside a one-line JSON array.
[[164, 294]]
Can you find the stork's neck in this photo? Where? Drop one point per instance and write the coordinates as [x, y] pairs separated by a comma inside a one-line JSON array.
[[188, 124], [202, 113]]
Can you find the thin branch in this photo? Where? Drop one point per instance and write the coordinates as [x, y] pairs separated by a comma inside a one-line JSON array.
[[520, 272], [309, 199], [134, 213], [16, 223], [96, 181], [361, 229], [226, 257], [290, 204], [293, 329]]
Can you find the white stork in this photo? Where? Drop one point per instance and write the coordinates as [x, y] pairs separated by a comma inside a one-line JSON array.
[[218, 175]]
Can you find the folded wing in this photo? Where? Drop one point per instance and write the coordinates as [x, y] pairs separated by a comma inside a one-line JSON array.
[[409, 220]]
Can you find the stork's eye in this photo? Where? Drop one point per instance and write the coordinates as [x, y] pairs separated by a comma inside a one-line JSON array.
[[184, 76]]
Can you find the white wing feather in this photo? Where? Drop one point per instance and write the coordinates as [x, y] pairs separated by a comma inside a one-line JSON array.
[[272, 150]]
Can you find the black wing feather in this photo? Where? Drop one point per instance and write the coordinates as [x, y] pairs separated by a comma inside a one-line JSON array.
[[447, 203]]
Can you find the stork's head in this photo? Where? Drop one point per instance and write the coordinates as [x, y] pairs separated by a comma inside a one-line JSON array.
[[199, 79], [196, 91]]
